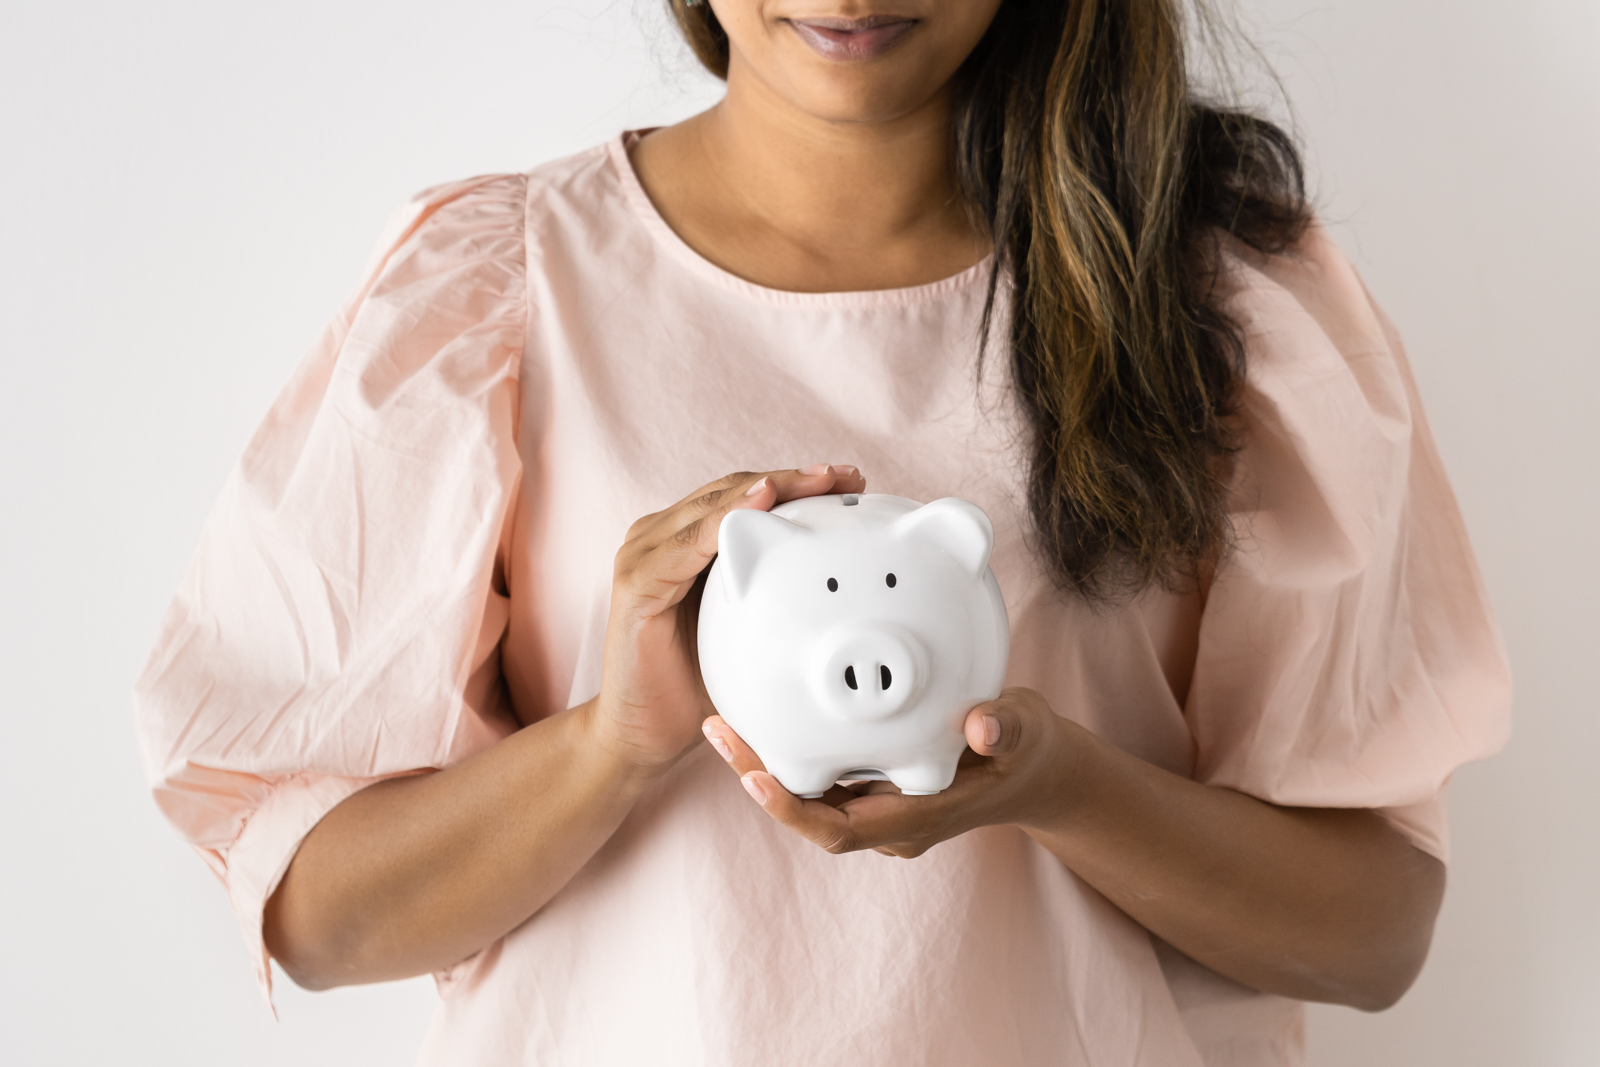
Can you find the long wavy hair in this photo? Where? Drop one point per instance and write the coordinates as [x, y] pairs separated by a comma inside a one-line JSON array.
[[1108, 185]]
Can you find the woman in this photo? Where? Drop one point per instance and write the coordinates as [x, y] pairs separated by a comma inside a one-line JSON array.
[[421, 714]]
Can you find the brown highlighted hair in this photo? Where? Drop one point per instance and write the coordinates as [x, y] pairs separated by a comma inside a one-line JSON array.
[[1108, 185]]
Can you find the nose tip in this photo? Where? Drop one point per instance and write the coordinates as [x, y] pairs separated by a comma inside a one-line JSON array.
[[884, 675], [868, 672]]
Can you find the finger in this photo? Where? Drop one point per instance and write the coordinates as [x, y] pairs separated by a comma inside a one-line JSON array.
[[662, 570], [731, 747], [789, 484], [822, 824], [743, 759], [664, 566], [884, 819], [907, 826], [1000, 727], [687, 530], [838, 795], [818, 480], [655, 529]]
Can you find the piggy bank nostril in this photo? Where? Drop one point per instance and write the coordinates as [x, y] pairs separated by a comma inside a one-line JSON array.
[[884, 675], [850, 677]]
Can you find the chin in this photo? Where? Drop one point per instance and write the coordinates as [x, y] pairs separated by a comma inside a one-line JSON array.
[[873, 92], [857, 103]]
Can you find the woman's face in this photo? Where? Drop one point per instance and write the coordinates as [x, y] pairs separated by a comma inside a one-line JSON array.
[[852, 60]]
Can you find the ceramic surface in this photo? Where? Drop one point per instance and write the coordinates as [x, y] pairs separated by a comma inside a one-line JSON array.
[[847, 637]]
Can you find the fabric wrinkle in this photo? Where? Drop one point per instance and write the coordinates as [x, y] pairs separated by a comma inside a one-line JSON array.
[[417, 546]]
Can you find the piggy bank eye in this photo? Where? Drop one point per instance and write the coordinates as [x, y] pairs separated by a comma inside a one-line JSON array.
[[833, 585], [889, 579]]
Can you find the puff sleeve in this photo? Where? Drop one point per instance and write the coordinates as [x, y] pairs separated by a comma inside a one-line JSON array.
[[1347, 654], [341, 619]]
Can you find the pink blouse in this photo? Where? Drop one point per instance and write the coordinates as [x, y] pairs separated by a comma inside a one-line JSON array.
[[420, 536]]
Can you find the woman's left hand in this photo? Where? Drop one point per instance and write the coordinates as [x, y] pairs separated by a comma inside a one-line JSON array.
[[1311, 903], [1019, 770]]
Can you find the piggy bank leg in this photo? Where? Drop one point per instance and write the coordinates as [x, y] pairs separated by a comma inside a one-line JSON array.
[[924, 779], [808, 783]]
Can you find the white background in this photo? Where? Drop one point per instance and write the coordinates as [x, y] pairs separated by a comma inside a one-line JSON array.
[[188, 189]]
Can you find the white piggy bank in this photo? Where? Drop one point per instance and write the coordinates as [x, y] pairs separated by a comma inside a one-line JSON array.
[[847, 637]]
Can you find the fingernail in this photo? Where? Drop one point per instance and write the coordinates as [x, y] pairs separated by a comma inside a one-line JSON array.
[[716, 741], [753, 787], [816, 468], [844, 470], [755, 490], [991, 731]]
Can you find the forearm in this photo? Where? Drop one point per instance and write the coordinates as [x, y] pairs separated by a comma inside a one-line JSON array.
[[1318, 904], [414, 874]]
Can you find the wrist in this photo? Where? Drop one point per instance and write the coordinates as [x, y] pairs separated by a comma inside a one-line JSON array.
[[1069, 769], [624, 765]]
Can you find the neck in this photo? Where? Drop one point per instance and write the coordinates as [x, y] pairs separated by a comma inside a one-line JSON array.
[[817, 180], [791, 200]]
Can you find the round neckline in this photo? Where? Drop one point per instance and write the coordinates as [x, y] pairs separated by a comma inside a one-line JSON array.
[[645, 209]]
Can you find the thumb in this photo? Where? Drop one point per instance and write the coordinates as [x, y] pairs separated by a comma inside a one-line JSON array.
[[995, 728]]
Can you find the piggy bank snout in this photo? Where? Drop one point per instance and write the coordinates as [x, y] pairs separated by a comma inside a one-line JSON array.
[[868, 672]]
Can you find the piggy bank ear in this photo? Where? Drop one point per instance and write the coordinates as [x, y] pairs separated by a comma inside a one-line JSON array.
[[957, 527], [744, 536]]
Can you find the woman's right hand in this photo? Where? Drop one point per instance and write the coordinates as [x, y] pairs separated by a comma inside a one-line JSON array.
[[651, 699], [414, 873]]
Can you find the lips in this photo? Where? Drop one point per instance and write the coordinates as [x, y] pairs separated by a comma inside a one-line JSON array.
[[846, 40]]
